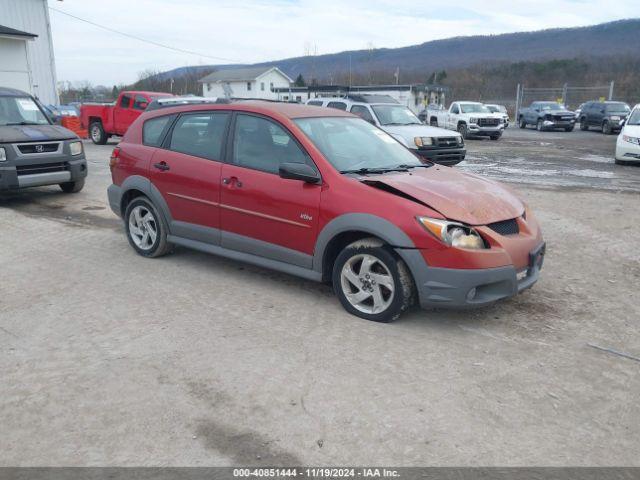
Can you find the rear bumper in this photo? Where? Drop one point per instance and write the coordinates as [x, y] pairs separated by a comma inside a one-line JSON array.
[[443, 156], [468, 288], [114, 193]]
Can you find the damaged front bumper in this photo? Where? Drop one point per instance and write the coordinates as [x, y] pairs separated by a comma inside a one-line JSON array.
[[465, 288]]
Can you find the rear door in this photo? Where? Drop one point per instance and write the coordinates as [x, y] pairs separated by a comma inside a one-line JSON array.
[[261, 213], [187, 173]]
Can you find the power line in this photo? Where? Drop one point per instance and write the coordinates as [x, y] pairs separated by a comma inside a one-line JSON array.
[[168, 47]]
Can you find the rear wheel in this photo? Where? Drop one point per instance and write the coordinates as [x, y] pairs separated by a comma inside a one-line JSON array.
[[72, 187], [97, 133], [371, 282], [606, 127], [146, 228], [522, 123], [462, 130]]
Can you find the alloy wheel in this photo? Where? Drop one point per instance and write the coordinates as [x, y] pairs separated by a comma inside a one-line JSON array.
[[367, 283], [143, 227]]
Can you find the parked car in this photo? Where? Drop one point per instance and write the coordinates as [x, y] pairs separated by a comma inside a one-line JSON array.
[[547, 116], [628, 143], [433, 144], [105, 120], [606, 116], [578, 110], [470, 119], [431, 108], [33, 151], [500, 109], [324, 195]]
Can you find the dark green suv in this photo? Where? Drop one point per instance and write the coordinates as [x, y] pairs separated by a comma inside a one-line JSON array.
[[606, 116]]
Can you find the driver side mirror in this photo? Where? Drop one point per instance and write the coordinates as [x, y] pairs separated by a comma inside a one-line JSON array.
[[299, 171]]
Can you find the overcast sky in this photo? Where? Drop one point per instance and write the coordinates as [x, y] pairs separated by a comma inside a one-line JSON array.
[[247, 31]]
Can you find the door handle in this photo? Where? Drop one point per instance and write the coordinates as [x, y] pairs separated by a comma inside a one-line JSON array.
[[232, 180], [162, 166]]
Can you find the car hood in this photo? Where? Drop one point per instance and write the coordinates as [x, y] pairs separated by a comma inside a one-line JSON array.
[[632, 130], [412, 131], [34, 133], [456, 195], [558, 112]]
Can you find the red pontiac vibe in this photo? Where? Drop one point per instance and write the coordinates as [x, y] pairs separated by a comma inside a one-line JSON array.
[[324, 195]]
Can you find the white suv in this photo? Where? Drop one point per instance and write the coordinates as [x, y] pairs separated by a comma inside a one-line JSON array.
[[431, 143]]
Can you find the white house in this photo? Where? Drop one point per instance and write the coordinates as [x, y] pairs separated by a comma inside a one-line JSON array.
[[249, 82], [26, 50]]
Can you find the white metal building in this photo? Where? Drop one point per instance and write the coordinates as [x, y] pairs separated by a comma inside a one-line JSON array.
[[250, 82], [26, 50]]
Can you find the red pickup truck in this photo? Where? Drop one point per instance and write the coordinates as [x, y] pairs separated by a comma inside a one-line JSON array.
[[105, 120]]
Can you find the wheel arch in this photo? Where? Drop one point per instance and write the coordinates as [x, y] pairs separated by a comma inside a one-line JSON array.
[[135, 186]]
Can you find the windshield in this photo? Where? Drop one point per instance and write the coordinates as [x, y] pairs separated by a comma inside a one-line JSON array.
[[550, 106], [634, 119], [20, 111], [492, 108], [395, 115], [353, 144], [617, 108], [473, 108]]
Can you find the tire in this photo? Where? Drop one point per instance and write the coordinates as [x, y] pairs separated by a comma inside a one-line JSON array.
[[72, 187], [97, 133], [569, 129], [522, 123], [583, 124], [606, 128], [433, 122], [462, 130], [385, 286], [495, 137], [539, 125], [150, 240]]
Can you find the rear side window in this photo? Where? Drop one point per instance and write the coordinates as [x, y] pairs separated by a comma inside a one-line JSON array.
[[362, 112], [125, 101], [338, 105], [200, 134], [152, 130], [261, 144], [315, 103], [140, 102]]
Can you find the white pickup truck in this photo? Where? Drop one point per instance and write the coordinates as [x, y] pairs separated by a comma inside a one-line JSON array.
[[470, 119]]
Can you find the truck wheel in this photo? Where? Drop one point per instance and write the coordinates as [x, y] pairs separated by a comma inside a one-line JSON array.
[[539, 125], [433, 122], [495, 137], [72, 187], [462, 130], [583, 124], [606, 127], [522, 123], [569, 129], [97, 133], [146, 228], [371, 282]]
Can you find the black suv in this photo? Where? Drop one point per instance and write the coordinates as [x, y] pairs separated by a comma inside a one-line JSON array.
[[33, 152], [607, 116]]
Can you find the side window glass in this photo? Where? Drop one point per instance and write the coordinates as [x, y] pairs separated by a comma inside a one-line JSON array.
[[140, 103], [362, 112], [200, 134], [125, 101], [455, 109], [260, 144], [338, 105], [315, 104], [152, 130]]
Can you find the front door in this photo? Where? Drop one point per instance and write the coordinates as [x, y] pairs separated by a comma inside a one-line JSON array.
[[261, 213], [187, 173]]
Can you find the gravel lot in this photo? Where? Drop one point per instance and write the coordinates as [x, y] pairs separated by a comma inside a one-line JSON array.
[[108, 358]]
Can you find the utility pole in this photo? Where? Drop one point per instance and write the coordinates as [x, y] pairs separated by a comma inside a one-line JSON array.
[[611, 90], [518, 100]]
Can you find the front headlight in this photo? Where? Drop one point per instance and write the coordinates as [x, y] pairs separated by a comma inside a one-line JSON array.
[[453, 233], [423, 141], [75, 148], [626, 138], [460, 140], [473, 120], [3, 155]]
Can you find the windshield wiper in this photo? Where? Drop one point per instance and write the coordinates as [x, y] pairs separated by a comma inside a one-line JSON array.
[[406, 166], [23, 123], [376, 170]]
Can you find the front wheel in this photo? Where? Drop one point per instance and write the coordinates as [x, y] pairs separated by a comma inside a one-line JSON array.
[[97, 133], [72, 187], [462, 130], [568, 129], [146, 228], [495, 137], [371, 282], [583, 124], [539, 125], [606, 128], [522, 123]]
